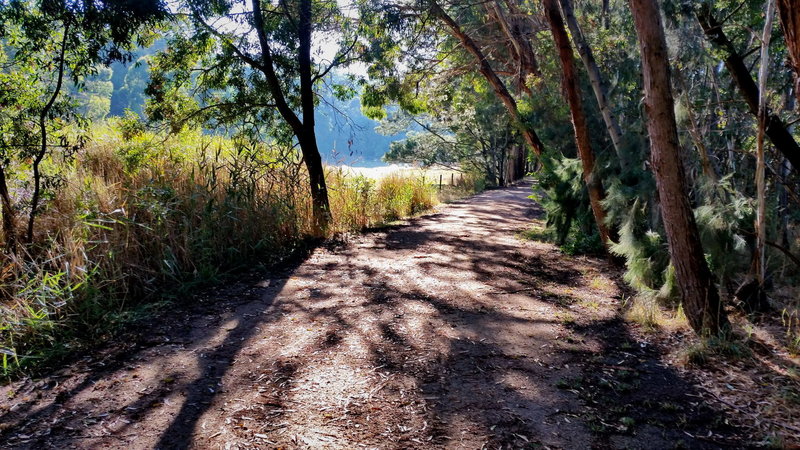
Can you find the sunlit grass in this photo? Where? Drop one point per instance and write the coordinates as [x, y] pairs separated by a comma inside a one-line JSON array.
[[143, 216], [429, 175]]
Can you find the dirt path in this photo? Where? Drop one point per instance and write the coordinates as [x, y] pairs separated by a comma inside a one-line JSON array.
[[448, 332]]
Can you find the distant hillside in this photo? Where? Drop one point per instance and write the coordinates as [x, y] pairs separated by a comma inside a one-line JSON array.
[[344, 134]]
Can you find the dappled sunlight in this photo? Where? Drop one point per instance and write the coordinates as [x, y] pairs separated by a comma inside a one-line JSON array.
[[448, 331]]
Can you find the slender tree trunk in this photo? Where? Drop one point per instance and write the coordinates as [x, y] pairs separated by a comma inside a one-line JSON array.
[[731, 159], [761, 189], [520, 46], [520, 162], [784, 170], [582, 138], [530, 136], [308, 145], [37, 160], [9, 215], [783, 202], [705, 161], [303, 129], [789, 13], [695, 133], [596, 80], [501, 148], [700, 297], [502, 166], [775, 128]]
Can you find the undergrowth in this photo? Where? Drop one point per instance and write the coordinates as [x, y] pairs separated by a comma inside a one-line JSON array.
[[575, 241], [139, 218], [791, 321], [727, 346]]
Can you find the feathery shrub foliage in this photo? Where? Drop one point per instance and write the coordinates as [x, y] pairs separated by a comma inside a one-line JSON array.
[[563, 196]]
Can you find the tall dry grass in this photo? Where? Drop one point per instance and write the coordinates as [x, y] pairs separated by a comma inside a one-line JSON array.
[[141, 216]]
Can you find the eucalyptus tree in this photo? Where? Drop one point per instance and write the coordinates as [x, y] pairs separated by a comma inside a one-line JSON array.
[[698, 291], [258, 63], [596, 79], [789, 13], [485, 68], [776, 129], [582, 138], [670, 204], [45, 44], [496, 40]]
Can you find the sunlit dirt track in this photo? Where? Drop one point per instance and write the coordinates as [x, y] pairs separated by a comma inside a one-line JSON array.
[[449, 331]]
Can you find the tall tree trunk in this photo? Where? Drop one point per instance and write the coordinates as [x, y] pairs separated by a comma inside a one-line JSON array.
[[761, 189], [530, 136], [789, 13], [719, 110], [596, 80], [694, 130], [316, 173], [783, 202], [700, 297], [519, 164], [775, 128], [582, 139], [9, 215], [784, 169], [695, 133], [37, 160], [302, 129]]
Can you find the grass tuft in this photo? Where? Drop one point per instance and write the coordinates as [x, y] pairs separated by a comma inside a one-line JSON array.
[[704, 351]]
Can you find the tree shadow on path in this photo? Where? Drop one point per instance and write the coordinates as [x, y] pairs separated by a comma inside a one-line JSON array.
[[448, 332]]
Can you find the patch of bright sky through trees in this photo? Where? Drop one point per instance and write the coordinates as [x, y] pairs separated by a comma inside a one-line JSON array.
[[325, 45]]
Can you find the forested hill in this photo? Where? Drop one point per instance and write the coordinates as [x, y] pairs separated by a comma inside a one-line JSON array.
[[344, 134]]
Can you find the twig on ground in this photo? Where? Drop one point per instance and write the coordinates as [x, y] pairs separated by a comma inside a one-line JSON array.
[[764, 419], [379, 387], [512, 292]]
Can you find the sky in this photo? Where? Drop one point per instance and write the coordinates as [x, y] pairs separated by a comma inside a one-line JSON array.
[[324, 46]]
